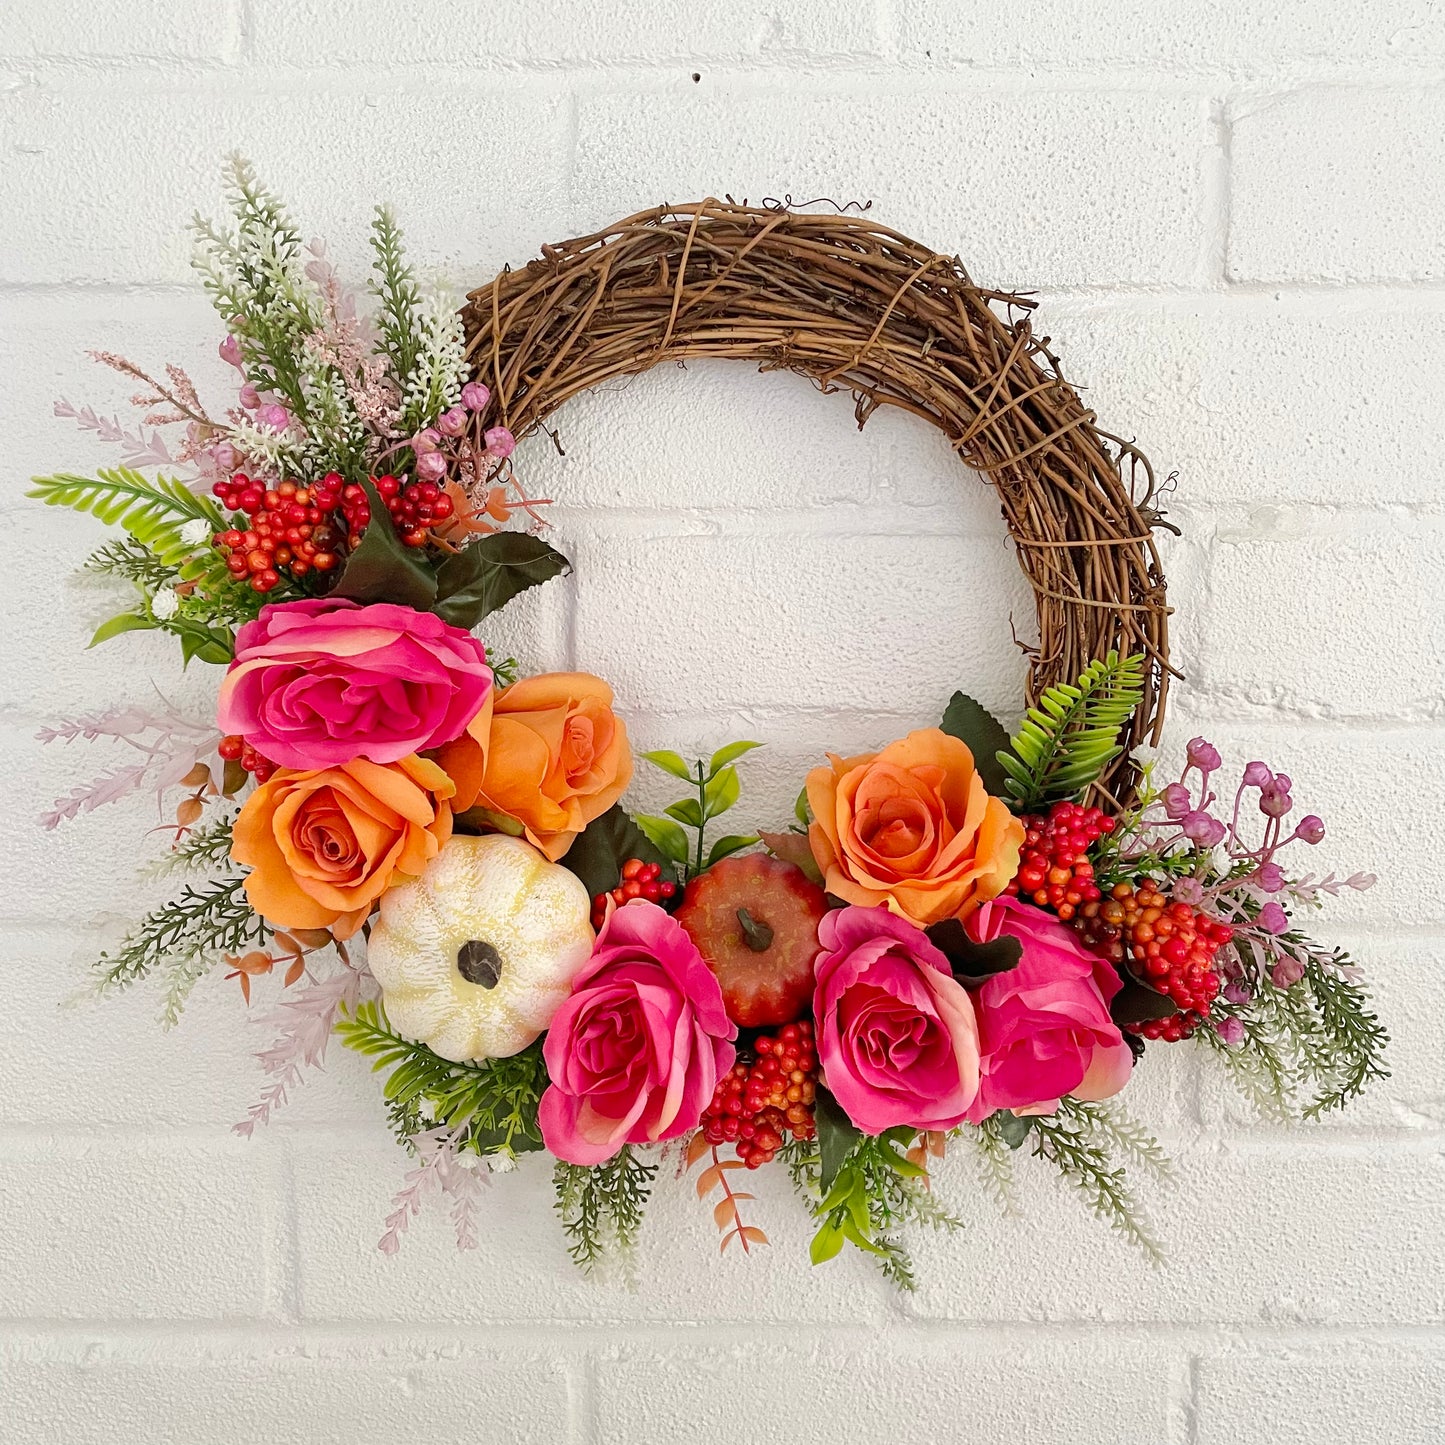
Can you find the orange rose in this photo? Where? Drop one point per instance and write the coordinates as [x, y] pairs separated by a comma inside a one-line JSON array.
[[324, 845], [548, 752], [913, 828]]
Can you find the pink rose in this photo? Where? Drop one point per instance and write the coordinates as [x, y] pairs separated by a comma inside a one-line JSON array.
[[896, 1034], [636, 1052], [320, 682], [1044, 1025]]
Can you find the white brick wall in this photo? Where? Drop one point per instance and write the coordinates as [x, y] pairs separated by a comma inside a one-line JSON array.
[[1233, 212]]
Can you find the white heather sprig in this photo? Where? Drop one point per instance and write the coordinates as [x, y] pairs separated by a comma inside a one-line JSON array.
[[436, 380]]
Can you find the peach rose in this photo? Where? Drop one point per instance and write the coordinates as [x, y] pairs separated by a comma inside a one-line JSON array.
[[912, 828], [324, 845], [548, 752]]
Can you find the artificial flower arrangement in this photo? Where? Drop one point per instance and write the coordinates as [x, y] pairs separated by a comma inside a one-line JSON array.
[[961, 941]]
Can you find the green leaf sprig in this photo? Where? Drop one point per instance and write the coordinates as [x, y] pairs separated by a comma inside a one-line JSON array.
[[717, 787]]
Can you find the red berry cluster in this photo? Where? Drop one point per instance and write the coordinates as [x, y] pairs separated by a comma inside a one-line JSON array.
[[757, 1105], [1054, 868], [289, 528], [415, 507], [639, 880], [235, 749], [1170, 946]]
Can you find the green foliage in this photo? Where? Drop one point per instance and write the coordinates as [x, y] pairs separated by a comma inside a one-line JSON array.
[[202, 847], [717, 788], [495, 1102], [152, 510], [485, 576], [985, 736], [398, 316], [875, 1190], [1317, 1037], [601, 1207], [1065, 743], [196, 928], [127, 558], [601, 848], [1078, 1140]]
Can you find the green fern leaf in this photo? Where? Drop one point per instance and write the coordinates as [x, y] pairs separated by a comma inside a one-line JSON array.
[[153, 511], [1067, 740]]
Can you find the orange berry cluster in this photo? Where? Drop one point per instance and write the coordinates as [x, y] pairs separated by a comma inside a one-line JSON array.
[[1170, 946], [757, 1105], [639, 880]]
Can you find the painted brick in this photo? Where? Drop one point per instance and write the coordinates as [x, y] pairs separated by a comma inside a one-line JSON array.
[[520, 1270], [809, 1391], [138, 30], [1258, 399], [1277, 1259], [177, 1392], [137, 162], [1031, 189], [555, 32], [139, 1227], [886, 622], [1323, 1394], [1337, 186], [1291, 34]]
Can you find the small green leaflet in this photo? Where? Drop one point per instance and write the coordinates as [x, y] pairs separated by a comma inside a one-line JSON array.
[[486, 575], [1012, 1128], [665, 836], [124, 622], [671, 762]]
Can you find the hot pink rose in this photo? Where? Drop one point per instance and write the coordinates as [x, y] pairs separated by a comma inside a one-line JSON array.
[[1044, 1026], [896, 1034], [635, 1054], [320, 682]]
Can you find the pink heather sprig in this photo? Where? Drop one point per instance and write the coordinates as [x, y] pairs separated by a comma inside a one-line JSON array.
[[442, 1169], [304, 1021], [176, 746], [137, 449]]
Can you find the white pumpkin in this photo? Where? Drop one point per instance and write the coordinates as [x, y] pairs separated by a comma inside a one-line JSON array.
[[476, 955]]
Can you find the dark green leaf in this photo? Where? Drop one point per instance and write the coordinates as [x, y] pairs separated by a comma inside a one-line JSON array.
[[1012, 1128], [1136, 1003], [972, 723], [488, 574], [837, 1134], [729, 754], [125, 622], [670, 762], [383, 568], [973, 962], [605, 844]]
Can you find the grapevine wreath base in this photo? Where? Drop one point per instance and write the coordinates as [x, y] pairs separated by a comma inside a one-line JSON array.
[[966, 939]]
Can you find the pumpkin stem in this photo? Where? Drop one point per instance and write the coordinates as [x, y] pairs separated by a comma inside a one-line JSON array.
[[758, 936], [479, 962]]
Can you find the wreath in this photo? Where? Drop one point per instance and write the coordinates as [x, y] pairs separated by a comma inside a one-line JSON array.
[[967, 939]]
